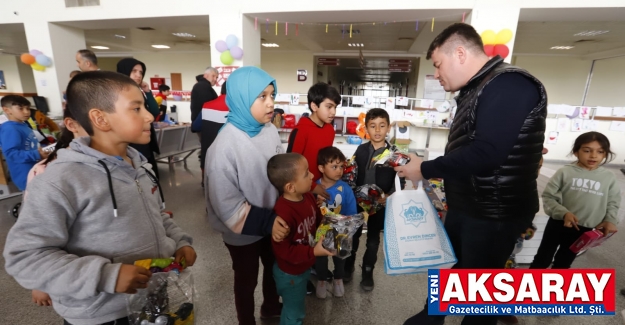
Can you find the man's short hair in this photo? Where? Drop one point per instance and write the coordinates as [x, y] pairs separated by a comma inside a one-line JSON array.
[[320, 91], [282, 169], [375, 113], [211, 69], [89, 56], [74, 73], [328, 155], [454, 35], [163, 88], [11, 100], [95, 89]]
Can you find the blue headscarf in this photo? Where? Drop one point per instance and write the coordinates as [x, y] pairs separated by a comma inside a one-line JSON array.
[[242, 88]]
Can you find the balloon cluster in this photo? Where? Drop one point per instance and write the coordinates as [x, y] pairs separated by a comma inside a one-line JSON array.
[[495, 44], [36, 60], [229, 50]]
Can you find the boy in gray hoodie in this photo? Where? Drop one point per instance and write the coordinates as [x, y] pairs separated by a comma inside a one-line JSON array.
[[96, 210]]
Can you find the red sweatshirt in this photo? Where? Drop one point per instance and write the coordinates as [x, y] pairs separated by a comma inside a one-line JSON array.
[[295, 254], [307, 139]]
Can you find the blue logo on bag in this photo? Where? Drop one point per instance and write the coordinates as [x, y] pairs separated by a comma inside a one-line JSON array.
[[413, 213]]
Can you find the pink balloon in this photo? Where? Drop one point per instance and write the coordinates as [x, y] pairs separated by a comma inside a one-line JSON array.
[[236, 52], [221, 46]]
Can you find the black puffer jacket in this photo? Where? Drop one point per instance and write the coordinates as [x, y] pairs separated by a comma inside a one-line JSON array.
[[510, 189]]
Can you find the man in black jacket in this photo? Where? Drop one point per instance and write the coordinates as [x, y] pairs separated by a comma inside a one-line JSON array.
[[491, 157], [203, 91]]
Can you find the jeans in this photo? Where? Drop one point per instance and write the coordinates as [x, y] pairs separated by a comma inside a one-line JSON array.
[[245, 265], [292, 289], [375, 225], [483, 243], [556, 235]]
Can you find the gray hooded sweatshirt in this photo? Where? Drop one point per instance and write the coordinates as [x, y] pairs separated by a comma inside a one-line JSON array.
[[69, 243]]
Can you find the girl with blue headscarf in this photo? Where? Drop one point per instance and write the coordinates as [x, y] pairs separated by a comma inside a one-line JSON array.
[[239, 196]]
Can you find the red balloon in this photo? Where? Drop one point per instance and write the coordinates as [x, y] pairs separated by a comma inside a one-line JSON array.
[[489, 49], [501, 50]]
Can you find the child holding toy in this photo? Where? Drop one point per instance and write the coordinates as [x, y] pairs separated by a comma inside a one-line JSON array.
[[77, 237], [330, 163], [295, 255], [579, 197], [239, 196]]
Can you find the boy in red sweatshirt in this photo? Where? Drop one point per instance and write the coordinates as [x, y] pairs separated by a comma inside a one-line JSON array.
[[316, 132], [295, 255]]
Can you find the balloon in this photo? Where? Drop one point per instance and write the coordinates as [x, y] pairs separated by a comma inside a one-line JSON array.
[[236, 52], [43, 60], [489, 50], [488, 37], [37, 66], [221, 46], [27, 58], [501, 50], [226, 58], [504, 36], [231, 41], [35, 52]]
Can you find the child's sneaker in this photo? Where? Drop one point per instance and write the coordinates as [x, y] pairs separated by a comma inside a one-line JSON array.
[[321, 289], [339, 289]]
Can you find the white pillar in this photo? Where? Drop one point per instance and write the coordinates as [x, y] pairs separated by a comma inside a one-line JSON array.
[[223, 24], [496, 18], [60, 43]]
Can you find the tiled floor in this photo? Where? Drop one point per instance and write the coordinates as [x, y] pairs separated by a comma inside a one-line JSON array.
[[394, 299]]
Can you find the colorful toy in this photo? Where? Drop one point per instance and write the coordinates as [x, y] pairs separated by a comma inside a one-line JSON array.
[[367, 197], [360, 129], [391, 157], [156, 265], [350, 172], [339, 231], [589, 239]]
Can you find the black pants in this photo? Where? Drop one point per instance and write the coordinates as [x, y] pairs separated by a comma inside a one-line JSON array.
[[121, 321], [557, 235], [483, 243], [375, 225]]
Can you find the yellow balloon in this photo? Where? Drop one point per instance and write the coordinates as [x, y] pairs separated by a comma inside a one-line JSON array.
[[37, 66], [488, 37], [504, 36]]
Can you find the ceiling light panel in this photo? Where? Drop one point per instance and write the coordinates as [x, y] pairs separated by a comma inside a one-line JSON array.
[[270, 45], [160, 46], [562, 47], [183, 34], [98, 47], [120, 36], [592, 32]]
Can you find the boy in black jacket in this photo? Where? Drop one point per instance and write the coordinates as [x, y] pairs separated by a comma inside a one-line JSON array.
[[377, 124]]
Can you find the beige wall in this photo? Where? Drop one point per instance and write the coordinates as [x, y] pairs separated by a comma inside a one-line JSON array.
[[8, 64], [608, 83], [284, 65]]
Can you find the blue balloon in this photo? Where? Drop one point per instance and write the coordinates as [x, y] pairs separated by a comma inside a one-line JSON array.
[[231, 41], [43, 60]]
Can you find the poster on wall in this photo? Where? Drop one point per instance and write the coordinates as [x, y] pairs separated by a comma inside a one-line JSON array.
[[401, 101], [3, 83], [584, 113], [576, 125], [433, 88], [294, 99], [603, 111], [589, 125], [618, 111], [389, 103], [618, 126], [563, 124], [224, 73], [553, 137], [370, 102]]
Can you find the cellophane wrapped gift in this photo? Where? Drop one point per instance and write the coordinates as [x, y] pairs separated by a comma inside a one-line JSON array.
[[338, 232], [168, 300]]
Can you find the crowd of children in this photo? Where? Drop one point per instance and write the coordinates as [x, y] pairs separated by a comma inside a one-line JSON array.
[[266, 203]]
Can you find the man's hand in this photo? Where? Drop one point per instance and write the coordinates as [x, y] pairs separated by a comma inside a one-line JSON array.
[[188, 253], [607, 228], [131, 278], [280, 230], [320, 251], [320, 191], [411, 170], [41, 298], [570, 220]]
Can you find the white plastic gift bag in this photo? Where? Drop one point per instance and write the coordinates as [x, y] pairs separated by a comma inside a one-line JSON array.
[[414, 237]]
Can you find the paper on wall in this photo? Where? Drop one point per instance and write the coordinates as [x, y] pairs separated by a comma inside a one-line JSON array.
[[370, 102], [427, 103], [390, 103], [401, 101], [283, 98], [576, 125], [555, 109], [584, 112], [358, 100], [431, 116], [618, 126], [618, 111], [603, 111], [294, 99], [568, 110], [589, 125], [553, 137], [562, 124]]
